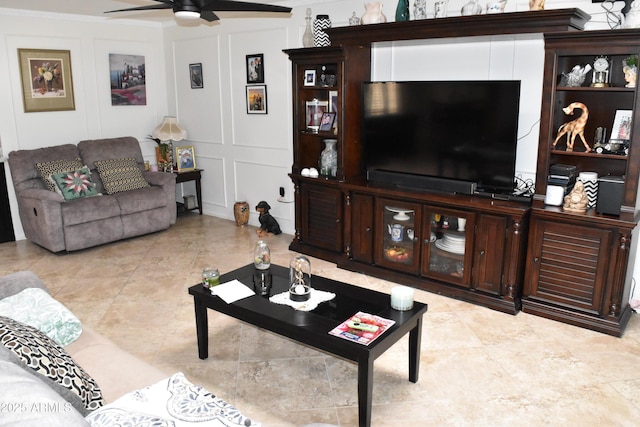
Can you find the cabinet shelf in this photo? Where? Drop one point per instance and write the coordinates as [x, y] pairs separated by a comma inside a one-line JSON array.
[[595, 89], [589, 154]]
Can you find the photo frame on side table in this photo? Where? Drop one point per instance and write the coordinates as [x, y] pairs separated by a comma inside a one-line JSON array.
[[195, 76], [257, 99], [255, 68], [186, 158], [47, 83]]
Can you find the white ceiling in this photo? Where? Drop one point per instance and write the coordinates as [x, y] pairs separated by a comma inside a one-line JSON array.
[[98, 7]]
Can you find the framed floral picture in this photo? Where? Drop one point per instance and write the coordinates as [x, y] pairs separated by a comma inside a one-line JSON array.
[[47, 84], [257, 99], [186, 158]]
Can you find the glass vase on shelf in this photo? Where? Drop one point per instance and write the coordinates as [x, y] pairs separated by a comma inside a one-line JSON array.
[[307, 37], [329, 159], [402, 10], [420, 9]]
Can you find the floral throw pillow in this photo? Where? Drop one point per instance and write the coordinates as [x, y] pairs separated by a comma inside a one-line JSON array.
[[46, 169], [75, 184]]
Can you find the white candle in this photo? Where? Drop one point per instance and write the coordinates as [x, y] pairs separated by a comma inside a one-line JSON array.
[[402, 298]]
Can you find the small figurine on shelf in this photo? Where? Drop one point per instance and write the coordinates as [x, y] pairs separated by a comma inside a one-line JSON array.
[[577, 200], [576, 76], [630, 69], [575, 127], [268, 224]]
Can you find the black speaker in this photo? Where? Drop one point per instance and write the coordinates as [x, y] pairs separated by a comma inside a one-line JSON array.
[[610, 191]]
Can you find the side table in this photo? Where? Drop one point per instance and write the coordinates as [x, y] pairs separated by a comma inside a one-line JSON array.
[[192, 175]]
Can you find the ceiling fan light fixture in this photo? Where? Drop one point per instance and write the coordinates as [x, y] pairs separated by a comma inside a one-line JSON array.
[[187, 14]]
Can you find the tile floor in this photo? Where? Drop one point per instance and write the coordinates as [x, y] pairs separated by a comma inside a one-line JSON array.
[[479, 367]]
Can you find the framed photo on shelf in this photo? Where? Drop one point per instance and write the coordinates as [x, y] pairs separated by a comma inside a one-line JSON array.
[[622, 125], [333, 106], [326, 123], [315, 110], [257, 99], [255, 68], [186, 158], [195, 76], [47, 84], [309, 77]]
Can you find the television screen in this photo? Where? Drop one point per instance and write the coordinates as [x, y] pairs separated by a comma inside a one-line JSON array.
[[457, 130]]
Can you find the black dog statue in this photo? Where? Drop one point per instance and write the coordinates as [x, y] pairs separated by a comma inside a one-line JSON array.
[[268, 224]]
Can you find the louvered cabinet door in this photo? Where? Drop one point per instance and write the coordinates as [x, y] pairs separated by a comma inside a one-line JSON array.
[[568, 265]]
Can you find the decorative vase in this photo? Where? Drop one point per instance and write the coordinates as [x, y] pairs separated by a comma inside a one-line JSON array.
[[320, 38], [300, 278], [354, 20], [536, 4], [420, 9], [329, 158], [471, 8], [373, 14], [241, 213], [262, 255], [307, 37], [440, 8], [402, 10], [590, 182]]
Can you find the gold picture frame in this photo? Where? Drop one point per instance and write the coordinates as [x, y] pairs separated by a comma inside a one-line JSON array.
[[186, 158], [47, 83]]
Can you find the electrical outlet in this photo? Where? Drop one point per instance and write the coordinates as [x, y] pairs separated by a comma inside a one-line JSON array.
[[281, 191]]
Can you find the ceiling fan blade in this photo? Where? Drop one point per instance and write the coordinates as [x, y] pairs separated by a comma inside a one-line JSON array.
[[209, 16], [168, 5], [239, 6]]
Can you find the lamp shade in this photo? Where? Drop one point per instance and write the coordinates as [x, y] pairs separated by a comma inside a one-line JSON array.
[[169, 129]]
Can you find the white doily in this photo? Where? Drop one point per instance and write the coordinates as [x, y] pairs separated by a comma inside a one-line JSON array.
[[316, 298]]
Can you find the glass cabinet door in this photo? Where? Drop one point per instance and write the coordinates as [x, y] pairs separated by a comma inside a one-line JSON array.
[[448, 243], [398, 235]]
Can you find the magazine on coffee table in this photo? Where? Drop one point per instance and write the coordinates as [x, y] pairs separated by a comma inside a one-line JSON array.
[[362, 328]]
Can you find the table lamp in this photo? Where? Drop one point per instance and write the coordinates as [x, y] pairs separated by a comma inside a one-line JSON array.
[[169, 130]]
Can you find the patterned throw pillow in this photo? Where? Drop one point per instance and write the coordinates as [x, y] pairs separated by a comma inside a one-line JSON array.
[[75, 184], [46, 169], [119, 175], [43, 355]]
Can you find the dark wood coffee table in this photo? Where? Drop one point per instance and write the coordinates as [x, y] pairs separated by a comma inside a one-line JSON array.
[[312, 327]]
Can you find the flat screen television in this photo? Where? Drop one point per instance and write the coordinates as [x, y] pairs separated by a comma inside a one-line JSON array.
[[428, 134]]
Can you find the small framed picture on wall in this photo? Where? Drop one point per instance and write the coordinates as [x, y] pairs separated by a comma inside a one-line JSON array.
[[257, 99], [195, 76], [255, 68]]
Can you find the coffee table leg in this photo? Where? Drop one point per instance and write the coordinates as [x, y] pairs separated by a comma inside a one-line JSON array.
[[415, 336], [202, 328], [365, 392]]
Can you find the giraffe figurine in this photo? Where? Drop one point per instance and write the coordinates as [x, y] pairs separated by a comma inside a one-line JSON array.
[[575, 127]]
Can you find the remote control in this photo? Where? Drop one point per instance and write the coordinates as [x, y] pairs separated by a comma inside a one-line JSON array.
[[362, 326]]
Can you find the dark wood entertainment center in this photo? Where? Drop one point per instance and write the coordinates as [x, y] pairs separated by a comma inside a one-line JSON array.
[[468, 247]]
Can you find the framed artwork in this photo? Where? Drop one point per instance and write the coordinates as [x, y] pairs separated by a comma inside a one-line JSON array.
[[47, 84], [257, 99], [326, 123], [255, 68], [333, 105], [315, 110], [186, 158], [622, 125], [128, 79], [195, 76], [309, 77]]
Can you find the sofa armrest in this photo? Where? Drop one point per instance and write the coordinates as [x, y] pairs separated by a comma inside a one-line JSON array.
[[41, 216], [15, 283], [159, 178], [167, 181]]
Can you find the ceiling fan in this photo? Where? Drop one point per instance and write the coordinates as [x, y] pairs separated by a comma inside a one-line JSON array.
[[194, 9]]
